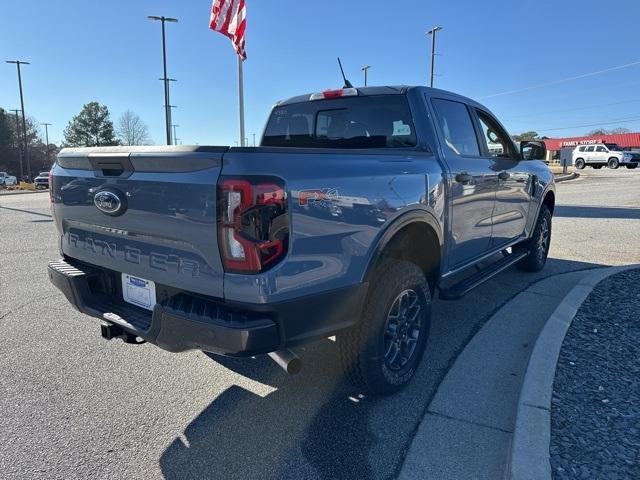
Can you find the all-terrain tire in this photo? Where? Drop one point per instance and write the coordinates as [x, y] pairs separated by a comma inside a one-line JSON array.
[[538, 244], [364, 348]]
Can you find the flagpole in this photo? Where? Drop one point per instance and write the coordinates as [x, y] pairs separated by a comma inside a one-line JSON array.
[[241, 99]]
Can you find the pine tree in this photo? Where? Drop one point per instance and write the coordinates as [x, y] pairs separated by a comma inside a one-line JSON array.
[[92, 127]]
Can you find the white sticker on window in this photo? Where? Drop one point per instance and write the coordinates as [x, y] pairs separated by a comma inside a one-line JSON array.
[[400, 128]]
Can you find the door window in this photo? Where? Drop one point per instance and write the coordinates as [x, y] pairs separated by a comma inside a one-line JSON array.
[[601, 149], [498, 142], [590, 149], [456, 126]]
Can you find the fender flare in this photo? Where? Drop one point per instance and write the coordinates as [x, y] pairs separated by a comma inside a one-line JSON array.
[[550, 189], [389, 231]]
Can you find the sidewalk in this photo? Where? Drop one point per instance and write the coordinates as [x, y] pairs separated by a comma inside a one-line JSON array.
[[595, 408], [468, 428]]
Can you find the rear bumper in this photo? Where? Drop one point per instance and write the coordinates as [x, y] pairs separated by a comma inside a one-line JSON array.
[[189, 322]]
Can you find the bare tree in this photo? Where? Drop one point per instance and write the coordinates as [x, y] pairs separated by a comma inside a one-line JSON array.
[[131, 130]]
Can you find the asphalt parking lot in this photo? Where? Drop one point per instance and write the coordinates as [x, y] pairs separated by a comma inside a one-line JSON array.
[[75, 406]]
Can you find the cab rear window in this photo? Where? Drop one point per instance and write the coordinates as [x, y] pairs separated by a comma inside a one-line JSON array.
[[382, 121]]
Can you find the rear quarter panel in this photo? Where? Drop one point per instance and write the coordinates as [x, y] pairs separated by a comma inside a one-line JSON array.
[[340, 205]]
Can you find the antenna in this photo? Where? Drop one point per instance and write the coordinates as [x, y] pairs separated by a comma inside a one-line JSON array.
[[347, 83]]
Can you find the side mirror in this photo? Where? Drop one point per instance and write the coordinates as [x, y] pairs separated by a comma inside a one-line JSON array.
[[533, 151]]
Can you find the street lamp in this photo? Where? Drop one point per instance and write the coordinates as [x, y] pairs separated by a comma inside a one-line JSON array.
[[365, 69], [24, 121], [18, 141], [46, 136], [167, 111], [433, 32]]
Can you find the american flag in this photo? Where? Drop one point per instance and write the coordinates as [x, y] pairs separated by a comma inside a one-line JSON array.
[[229, 17]]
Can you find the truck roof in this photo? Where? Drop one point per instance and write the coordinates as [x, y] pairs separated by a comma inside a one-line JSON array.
[[382, 90]]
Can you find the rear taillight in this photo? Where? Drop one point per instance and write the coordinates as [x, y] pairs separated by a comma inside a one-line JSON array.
[[253, 223]]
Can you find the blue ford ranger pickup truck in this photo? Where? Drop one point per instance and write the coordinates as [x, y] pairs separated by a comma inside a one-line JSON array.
[[357, 208]]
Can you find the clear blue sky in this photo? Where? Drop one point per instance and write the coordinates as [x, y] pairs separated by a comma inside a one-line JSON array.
[[109, 52]]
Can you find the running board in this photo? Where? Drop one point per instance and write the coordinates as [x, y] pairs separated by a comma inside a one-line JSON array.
[[459, 290]]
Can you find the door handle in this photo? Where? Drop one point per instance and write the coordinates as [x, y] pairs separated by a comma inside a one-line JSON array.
[[463, 177], [504, 175]]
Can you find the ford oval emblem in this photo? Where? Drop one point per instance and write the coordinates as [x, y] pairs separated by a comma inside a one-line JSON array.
[[110, 202]]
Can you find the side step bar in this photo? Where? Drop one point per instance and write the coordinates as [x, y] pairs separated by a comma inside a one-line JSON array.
[[459, 290]]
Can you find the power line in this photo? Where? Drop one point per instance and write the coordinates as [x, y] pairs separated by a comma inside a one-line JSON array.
[[601, 124], [528, 115], [563, 80]]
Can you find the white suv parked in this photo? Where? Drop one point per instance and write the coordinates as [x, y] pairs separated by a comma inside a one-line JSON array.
[[6, 179], [601, 154]]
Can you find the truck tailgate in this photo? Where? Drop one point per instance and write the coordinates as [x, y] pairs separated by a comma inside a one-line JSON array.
[[149, 212]]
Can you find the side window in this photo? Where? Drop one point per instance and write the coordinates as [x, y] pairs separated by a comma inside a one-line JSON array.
[[590, 149], [456, 126], [498, 142], [581, 149], [601, 149]]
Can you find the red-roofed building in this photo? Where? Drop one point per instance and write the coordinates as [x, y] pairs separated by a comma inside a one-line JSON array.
[[623, 140]]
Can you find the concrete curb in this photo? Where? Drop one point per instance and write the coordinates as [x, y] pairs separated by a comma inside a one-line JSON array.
[[564, 178], [532, 435]]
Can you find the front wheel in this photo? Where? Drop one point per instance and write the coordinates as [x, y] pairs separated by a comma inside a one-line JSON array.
[[580, 164], [613, 163], [538, 244], [381, 353]]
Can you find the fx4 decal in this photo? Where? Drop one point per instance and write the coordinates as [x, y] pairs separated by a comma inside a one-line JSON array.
[[305, 197]]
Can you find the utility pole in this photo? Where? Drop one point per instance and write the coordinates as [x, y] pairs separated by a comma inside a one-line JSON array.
[[433, 32], [365, 69], [18, 142], [166, 81], [175, 135], [167, 104], [46, 136], [24, 121]]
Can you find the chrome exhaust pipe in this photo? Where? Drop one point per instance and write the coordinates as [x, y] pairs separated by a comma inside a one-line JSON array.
[[287, 360]]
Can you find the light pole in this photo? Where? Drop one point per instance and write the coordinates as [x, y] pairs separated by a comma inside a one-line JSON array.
[[46, 136], [167, 111], [433, 32], [365, 69], [24, 121], [254, 139], [18, 142]]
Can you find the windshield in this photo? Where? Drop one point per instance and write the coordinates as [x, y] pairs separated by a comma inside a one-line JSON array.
[[382, 121], [613, 146]]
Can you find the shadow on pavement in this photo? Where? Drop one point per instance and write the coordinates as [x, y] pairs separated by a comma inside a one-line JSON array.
[[580, 211], [26, 211], [314, 425], [307, 428]]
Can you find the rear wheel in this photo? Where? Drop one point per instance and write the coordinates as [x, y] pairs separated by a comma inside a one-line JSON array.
[[381, 353], [538, 244], [580, 163], [613, 163]]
